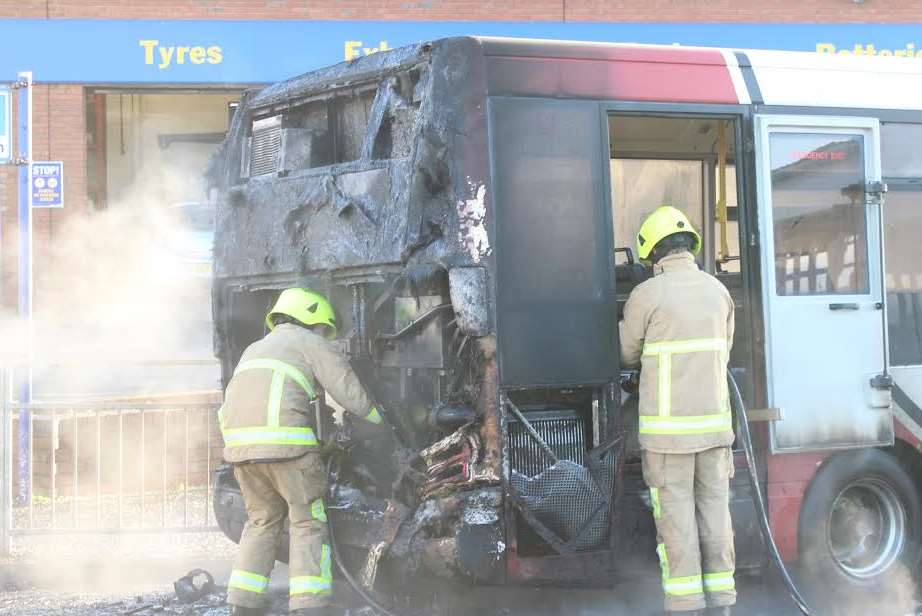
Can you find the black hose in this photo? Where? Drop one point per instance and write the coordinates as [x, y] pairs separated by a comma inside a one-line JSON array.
[[742, 424], [759, 502], [362, 591]]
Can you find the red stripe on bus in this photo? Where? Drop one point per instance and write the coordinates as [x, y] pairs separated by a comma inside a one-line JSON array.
[[631, 75]]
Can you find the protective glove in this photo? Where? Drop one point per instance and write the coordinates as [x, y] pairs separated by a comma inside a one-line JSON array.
[[630, 381], [340, 442]]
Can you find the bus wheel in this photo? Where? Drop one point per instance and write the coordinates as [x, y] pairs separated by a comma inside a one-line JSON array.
[[861, 521]]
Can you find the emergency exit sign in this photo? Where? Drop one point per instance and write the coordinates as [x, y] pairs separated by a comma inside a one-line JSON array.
[[6, 126]]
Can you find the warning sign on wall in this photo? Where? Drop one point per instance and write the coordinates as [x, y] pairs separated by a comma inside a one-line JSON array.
[[48, 184]]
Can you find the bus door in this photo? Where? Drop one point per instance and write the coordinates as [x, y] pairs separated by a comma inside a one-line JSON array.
[[819, 201]]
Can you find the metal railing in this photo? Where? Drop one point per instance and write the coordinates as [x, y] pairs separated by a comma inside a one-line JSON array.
[[136, 465]]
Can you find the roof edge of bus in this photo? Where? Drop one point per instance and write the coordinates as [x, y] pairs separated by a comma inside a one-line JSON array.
[[498, 46], [367, 67], [771, 58]]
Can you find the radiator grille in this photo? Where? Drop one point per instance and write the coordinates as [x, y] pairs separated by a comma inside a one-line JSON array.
[[564, 431], [265, 146], [562, 501]]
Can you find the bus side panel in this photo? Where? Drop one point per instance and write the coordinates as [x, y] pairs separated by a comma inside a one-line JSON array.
[[789, 475], [701, 77], [556, 308]]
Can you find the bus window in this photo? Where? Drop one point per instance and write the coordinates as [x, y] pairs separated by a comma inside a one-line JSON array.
[[726, 256], [689, 163], [677, 161], [900, 156], [901, 162], [372, 121], [639, 186], [819, 219]]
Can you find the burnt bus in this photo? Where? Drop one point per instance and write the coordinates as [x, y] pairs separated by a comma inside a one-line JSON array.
[[469, 205]]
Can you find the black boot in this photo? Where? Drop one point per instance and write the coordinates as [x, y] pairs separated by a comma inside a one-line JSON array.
[[238, 610]]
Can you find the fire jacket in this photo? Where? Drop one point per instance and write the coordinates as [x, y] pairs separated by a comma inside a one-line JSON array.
[[678, 326], [267, 412]]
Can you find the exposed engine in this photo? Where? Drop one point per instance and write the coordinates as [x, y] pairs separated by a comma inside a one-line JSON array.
[[368, 181]]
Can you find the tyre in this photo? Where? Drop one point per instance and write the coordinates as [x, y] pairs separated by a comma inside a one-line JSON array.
[[861, 523]]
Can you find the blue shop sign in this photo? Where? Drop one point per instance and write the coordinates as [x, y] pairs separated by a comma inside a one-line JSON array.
[[255, 52]]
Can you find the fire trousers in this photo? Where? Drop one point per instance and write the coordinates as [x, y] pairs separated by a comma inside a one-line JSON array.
[[270, 491], [690, 494]]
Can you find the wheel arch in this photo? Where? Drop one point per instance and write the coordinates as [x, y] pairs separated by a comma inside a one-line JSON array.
[[904, 460], [909, 455]]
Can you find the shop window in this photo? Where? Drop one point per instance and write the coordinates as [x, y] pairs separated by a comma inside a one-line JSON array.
[[152, 147], [96, 187]]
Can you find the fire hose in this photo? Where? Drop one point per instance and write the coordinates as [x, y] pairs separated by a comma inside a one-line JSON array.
[[757, 499], [366, 594], [743, 433]]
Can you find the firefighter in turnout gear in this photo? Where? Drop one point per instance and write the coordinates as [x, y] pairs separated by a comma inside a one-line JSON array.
[[678, 326], [268, 424]]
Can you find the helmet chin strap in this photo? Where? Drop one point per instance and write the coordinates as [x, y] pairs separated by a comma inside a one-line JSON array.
[[672, 244]]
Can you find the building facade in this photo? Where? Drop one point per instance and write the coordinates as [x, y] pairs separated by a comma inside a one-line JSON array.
[[133, 97]]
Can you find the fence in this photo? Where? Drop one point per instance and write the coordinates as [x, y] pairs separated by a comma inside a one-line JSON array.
[[140, 464]]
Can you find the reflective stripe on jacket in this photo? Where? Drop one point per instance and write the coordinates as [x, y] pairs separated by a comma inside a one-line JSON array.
[[678, 326], [267, 412]]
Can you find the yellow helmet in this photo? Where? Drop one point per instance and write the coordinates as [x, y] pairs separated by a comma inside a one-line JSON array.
[[663, 222], [306, 306]]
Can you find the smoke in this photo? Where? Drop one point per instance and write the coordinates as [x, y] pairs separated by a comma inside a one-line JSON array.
[[118, 289], [893, 595], [122, 304]]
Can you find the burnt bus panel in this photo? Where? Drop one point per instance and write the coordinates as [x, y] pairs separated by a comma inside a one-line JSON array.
[[556, 309], [564, 69]]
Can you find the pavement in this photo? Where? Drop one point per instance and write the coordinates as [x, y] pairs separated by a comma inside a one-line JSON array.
[[133, 575]]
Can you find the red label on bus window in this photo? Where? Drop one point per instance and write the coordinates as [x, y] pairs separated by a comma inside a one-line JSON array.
[[821, 155]]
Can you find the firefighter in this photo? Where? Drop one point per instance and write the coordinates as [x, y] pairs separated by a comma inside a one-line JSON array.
[[678, 327], [269, 436]]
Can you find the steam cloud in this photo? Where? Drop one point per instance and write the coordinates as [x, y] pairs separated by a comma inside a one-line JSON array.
[[112, 291]]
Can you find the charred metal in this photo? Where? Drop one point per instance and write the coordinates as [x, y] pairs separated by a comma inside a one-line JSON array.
[[371, 182]]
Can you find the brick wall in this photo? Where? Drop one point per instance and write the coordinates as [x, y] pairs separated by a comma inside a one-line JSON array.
[[478, 10], [59, 111], [7, 239], [59, 133]]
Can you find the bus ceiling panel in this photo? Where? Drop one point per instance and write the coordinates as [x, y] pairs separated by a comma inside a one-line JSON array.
[[665, 137]]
